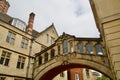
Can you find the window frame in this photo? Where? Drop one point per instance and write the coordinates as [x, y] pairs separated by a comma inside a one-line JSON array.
[[65, 46], [20, 62], [80, 48], [10, 38], [24, 43], [5, 59], [52, 54], [89, 48], [99, 49]]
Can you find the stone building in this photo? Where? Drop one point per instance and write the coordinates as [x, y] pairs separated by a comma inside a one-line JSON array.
[[18, 44], [107, 17], [19, 41]]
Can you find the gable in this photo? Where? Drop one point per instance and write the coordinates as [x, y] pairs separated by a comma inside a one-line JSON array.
[[45, 36]]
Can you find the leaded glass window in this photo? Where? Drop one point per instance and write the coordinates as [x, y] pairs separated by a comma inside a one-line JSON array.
[[65, 46], [10, 38], [99, 49], [89, 48], [80, 48]]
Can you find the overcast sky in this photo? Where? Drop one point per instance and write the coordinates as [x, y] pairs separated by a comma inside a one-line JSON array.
[[71, 16]]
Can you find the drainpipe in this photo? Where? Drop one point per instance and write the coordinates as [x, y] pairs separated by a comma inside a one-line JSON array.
[[29, 62]]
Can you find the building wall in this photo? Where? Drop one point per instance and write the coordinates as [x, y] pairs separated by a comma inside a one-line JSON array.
[[15, 49], [107, 15], [34, 46], [74, 71]]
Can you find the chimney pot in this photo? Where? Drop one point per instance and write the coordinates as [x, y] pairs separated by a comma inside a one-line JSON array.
[[30, 23]]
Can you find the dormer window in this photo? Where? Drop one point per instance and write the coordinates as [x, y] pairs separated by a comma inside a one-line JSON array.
[[19, 24]]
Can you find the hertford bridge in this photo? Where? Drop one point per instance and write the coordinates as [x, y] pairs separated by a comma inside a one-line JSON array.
[[71, 52]]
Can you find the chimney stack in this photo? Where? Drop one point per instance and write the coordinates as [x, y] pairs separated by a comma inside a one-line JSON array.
[[30, 23], [4, 5]]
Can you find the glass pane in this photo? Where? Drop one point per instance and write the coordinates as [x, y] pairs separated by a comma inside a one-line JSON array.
[[99, 49], [1, 60], [19, 59], [6, 62], [40, 60], [18, 64], [89, 48], [23, 60], [52, 53], [76, 76], [22, 65], [8, 39], [65, 46], [80, 48], [3, 54], [8, 55]]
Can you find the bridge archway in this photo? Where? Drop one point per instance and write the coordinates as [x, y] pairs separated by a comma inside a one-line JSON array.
[[67, 57], [61, 63]]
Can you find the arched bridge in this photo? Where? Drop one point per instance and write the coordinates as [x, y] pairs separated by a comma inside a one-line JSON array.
[[71, 52]]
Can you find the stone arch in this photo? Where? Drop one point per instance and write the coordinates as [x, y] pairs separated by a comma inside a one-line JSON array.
[[59, 64]]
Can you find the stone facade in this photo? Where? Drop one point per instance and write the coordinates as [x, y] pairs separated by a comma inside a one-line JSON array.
[[107, 16], [18, 48]]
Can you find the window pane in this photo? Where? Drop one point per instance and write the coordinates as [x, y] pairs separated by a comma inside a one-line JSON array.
[[65, 46], [99, 49], [22, 65], [6, 62], [76, 76], [8, 55], [8, 39], [89, 48], [80, 48], [52, 53], [1, 60], [46, 57], [18, 64], [40, 60], [3, 54]]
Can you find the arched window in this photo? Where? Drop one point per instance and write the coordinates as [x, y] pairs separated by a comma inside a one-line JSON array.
[[58, 50], [40, 60], [71, 47], [80, 48], [99, 49], [46, 57], [89, 48], [65, 46], [52, 53]]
